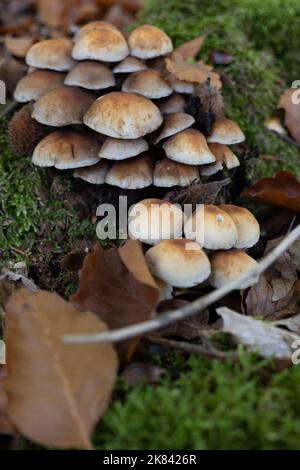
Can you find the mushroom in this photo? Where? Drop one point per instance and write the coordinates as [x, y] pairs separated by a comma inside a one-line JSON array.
[[94, 174], [212, 228], [53, 54], [190, 147], [123, 115], [33, 86], [180, 263], [181, 86], [226, 132], [173, 104], [90, 75], [230, 265], [148, 83], [107, 45], [93, 26], [147, 42], [247, 226], [66, 149], [168, 173], [135, 173], [129, 65], [224, 156], [62, 106], [174, 123], [154, 220], [121, 149]]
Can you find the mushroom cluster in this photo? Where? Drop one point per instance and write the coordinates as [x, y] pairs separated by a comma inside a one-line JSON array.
[[116, 115]]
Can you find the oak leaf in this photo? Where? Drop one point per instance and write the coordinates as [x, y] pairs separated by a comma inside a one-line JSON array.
[[288, 102]]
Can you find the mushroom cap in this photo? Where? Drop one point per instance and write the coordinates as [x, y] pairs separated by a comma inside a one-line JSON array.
[[154, 220], [66, 149], [149, 83], [90, 75], [173, 104], [189, 147], [62, 106], [168, 173], [18, 46], [181, 262], [247, 226], [230, 265], [36, 84], [93, 26], [212, 228], [147, 42], [94, 174], [224, 156], [53, 54], [120, 149], [181, 86], [129, 65], [226, 132], [135, 173], [123, 115], [103, 44], [174, 123]]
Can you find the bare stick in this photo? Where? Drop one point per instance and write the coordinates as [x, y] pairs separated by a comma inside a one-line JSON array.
[[8, 108], [191, 309]]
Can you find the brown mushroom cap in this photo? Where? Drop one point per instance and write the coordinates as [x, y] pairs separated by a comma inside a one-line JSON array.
[[66, 149], [180, 263], [181, 86], [94, 174], [93, 26], [230, 265], [53, 54], [62, 106], [148, 83], [174, 123], [18, 46], [135, 173], [246, 224], [173, 104], [104, 45], [123, 115], [168, 173], [129, 65], [90, 75], [120, 149], [36, 84], [224, 156], [189, 147], [147, 42], [226, 132]]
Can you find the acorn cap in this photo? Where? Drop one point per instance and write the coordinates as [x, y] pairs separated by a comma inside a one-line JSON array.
[[173, 104], [181, 86], [135, 173], [62, 106], [120, 149], [230, 265], [168, 173], [123, 115], [226, 132], [93, 26], [224, 156], [154, 220], [90, 75], [174, 123], [94, 174], [147, 42], [212, 228], [104, 45], [189, 147], [66, 149], [129, 65], [149, 83], [246, 224], [36, 84], [53, 54], [181, 262]]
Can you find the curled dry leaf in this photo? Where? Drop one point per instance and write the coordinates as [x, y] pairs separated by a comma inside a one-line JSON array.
[[57, 392], [283, 190], [290, 102], [190, 49]]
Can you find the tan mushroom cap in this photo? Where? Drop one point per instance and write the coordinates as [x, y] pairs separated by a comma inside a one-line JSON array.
[[189, 147], [123, 115], [104, 45], [230, 265], [53, 54], [36, 84], [129, 65], [226, 132], [154, 220], [173, 104], [212, 228], [94, 174], [174, 123], [181, 262], [62, 106], [135, 173], [147, 42], [66, 149], [90, 75], [93, 26], [224, 156], [148, 83], [246, 224], [18, 46], [120, 149], [168, 173], [181, 86]]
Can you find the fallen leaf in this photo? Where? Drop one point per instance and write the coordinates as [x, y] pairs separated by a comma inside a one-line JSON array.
[[291, 112], [9, 283], [73, 261], [190, 49], [294, 251], [57, 392], [283, 190], [139, 373], [219, 57], [6, 426], [206, 193]]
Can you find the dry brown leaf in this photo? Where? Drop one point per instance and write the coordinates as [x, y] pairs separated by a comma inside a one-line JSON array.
[[57, 392], [6, 426], [190, 49], [9, 283], [292, 112], [207, 193]]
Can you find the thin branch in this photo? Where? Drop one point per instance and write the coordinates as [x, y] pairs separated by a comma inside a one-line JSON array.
[[8, 108], [191, 309]]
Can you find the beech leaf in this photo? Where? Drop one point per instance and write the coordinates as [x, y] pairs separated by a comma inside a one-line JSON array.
[[190, 49], [292, 112]]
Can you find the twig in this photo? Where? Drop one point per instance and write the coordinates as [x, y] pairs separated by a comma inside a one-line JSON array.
[[184, 312], [8, 109]]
